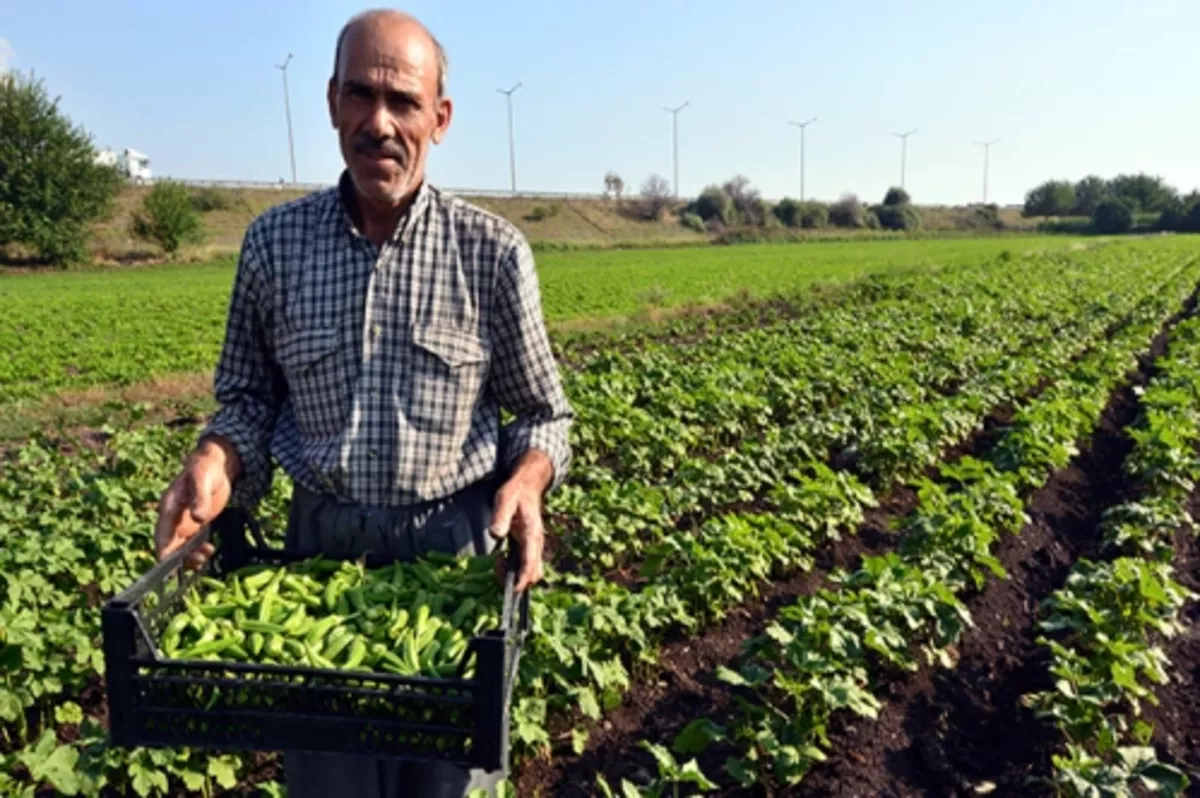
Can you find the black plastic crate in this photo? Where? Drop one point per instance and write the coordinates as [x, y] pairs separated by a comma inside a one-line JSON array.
[[155, 701]]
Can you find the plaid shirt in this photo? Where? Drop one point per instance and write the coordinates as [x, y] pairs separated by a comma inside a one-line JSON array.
[[378, 374]]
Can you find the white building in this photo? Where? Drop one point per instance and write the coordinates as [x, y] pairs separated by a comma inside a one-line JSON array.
[[130, 163]]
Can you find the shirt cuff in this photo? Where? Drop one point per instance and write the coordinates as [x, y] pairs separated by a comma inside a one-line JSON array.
[[255, 480], [545, 438]]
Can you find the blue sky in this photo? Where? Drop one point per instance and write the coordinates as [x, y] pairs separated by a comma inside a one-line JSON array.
[[1069, 87]]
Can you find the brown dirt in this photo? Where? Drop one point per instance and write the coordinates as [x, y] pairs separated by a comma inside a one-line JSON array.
[[948, 732], [684, 687], [944, 731], [939, 731], [1176, 719]]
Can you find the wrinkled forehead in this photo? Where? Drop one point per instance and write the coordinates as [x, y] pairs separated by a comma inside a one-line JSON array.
[[389, 55]]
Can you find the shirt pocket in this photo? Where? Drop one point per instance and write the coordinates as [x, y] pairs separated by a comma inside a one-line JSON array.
[[449, 367], [313, 365]]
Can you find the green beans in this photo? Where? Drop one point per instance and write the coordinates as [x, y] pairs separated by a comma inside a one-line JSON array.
[[411, 619]]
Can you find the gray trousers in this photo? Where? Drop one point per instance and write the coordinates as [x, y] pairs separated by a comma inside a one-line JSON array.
[[322, 524]]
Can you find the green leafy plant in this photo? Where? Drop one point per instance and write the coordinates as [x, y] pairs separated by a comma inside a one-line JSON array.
[[51, 187], [167, 218]]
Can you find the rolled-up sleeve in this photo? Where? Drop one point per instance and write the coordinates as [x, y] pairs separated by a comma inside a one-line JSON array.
[[248, 386], [524, 376]]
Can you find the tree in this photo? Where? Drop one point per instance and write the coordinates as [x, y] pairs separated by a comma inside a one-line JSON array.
[[714, 205], [813, 215], [849, 212], [51, 188], [787, 210], [614, 185], [167, 218], [1088, 193], [746, 200], [656, 196], [808, 215], [1182, 216], [896, 196], [1142, 192], [902, 216], [1112, 216], [1052, 198]]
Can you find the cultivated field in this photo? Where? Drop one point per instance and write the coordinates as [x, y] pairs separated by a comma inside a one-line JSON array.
[[64, 331], [927, 533]]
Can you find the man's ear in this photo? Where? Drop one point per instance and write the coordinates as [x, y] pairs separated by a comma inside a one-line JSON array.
[[444, 112], [331, 98]]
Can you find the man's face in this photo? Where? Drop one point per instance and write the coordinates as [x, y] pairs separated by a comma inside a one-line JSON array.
[[384, 103]]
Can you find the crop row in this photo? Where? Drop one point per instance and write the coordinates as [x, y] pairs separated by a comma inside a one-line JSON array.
[[1105, 627], [879, 395], [827, 652], [76, 525], [71, 331], [590, 628]]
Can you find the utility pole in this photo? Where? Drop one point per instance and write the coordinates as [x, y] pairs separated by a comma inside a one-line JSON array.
[[987, 146], [512, 147], [674, 112], [903, 152], [802, 126], [287, 110]]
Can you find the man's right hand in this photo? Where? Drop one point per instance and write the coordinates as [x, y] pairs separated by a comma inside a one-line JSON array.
[[195, 497]]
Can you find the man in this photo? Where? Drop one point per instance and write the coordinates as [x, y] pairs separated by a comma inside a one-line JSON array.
[[375, 331]]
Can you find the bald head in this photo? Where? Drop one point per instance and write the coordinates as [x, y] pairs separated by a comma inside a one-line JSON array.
[[387, 100], [396, 21]]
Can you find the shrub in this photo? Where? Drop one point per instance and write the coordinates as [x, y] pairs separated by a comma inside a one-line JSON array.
[[167, 218], [750, 207], [813, 215], [51, 188], [980, 217], [1181, 216], [692, 221], [541, 212], [1172, 219], [656, 197], [1112, 216], [849, 212], [210, 199], [896, 196], [1052, 198], [1069, 225], [714, 204], [903, 217], [787, 210]]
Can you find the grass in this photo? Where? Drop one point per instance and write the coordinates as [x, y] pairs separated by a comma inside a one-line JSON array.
[[550, 223], [568, 222], [63, 333], [608, 284]]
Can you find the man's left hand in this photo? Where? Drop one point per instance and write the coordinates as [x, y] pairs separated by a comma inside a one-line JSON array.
[[517, 511]]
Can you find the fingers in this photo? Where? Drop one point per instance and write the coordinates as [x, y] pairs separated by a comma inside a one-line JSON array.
[[196, 496], [531, 540], [197, 558], [171, 511], [503, 510], [531, 569]]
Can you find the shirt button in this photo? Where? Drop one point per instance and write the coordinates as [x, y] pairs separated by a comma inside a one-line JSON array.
[[377, 330]]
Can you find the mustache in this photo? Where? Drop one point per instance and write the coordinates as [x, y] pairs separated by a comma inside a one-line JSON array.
[[366, 144]]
